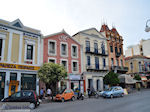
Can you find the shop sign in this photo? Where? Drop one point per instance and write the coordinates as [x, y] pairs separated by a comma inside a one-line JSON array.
[[21, 67], [74, 77]]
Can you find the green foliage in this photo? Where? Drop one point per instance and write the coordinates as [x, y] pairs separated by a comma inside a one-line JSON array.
[[111, 79], [51, 73], [137, 77]]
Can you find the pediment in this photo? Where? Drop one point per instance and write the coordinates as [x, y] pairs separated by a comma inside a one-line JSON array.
[[17, 23]]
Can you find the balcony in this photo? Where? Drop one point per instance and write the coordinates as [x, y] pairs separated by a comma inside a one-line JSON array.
[[119, 69], [92, 50], [97, 67], [117, 54]]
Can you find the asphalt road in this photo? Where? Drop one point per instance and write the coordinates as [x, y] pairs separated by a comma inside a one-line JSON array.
[[135, 102]]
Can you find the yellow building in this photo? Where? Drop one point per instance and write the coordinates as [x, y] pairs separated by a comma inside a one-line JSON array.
[[19, 57], [138, 64], [94, 57]]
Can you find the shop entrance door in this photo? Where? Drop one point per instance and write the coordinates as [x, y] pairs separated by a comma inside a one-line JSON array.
[[2, 84]]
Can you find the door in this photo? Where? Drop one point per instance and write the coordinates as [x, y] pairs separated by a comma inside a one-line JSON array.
[[2, 84]]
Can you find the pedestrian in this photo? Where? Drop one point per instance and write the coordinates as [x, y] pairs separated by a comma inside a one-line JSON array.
[[41, 93], [89, 92], [49, 92]]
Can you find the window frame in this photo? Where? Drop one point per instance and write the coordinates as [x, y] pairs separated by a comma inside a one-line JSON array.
[[72, 50], [52, 54], [66, 49], [77, 66], [52, 59], [66, 63]]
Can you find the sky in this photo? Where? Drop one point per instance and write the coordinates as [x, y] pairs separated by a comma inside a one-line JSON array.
[[50, 16]]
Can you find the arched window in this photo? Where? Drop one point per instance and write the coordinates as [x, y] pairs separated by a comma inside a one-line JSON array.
[[131, 66]]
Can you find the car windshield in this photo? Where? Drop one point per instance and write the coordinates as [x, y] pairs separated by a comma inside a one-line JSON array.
[[60, 91]]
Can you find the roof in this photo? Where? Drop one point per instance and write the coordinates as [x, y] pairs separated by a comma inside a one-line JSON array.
[[88, 30], [61, 32], [17, 24], [136, 56]]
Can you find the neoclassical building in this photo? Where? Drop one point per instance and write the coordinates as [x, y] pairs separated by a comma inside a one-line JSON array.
[[19, 57], [95, 57], [115, 49]]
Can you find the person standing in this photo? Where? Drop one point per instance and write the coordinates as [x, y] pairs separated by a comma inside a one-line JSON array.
[[49, 92]]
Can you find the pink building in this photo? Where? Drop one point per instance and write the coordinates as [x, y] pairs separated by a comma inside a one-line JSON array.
[[60, 48]]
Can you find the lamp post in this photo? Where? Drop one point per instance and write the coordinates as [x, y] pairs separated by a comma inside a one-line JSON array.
[[147, 28]]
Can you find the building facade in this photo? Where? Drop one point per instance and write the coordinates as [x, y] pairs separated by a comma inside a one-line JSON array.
[[115, 49], [140, 49], [60, 48], [19, 57], [95, 57], [138, 64]]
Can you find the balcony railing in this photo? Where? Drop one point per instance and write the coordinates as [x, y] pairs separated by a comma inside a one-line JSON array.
[[120, 68], [97, 67], [96, 51]]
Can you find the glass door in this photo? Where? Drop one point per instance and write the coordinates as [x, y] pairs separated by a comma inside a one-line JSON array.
[[2, 84]]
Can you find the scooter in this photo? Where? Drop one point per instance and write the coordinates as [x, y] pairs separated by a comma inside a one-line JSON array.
[[80, 96]]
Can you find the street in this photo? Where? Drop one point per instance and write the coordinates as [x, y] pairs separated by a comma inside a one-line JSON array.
[[135, 102]]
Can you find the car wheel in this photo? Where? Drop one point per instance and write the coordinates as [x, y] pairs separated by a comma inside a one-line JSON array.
[[32, 106], [111, 96], [73, 98], [62, 100]]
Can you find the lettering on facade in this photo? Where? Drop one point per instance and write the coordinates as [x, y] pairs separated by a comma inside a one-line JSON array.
[[15, 66], [63, 38]]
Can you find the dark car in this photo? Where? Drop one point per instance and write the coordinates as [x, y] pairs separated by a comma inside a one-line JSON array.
[[24, 96]]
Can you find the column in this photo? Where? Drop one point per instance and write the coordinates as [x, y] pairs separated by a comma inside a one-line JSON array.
[[7, 81], [101, 83], [19, 79], [3, 49], [9, 47], [38, 54], [94, 82], [37, 84], [20, 47]]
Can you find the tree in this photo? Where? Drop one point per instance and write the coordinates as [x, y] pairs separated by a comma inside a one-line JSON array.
[[51, 73], [111, 79], [137, 77]]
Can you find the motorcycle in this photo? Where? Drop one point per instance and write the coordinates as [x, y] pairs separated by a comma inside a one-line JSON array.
[[80, 96]]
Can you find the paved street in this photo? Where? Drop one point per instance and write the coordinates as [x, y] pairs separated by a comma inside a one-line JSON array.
[[135, 102]]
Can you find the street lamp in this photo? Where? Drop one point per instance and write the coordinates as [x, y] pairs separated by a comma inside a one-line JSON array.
[[147, 29]]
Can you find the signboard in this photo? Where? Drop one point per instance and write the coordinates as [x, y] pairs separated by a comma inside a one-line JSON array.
[[74, 77], [21, 67]]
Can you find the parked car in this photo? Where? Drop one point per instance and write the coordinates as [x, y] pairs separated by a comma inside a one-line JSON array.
[[65, 94], [24, 96], [114, 91]]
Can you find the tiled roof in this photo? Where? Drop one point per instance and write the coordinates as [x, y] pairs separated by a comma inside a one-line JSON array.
[[136, 56]]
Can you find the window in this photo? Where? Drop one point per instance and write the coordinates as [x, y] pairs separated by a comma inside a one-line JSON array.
[[116, 50], [95, 48], [96, 62], [117, 61], [131, 66], [26, 93], [74, 51], [74, 66], [87, 46], [1, 44], [16, 95], [64, 63], [88, 61], [120, 50], [112, 62], [140, 69], [104, 62], [111, 48], [103, 48], [52, 47], [13, 76], [29, 52], [52, 60], [64, 49]]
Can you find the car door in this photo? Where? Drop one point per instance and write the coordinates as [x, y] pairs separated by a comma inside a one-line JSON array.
[[115, 92], [16, 97]]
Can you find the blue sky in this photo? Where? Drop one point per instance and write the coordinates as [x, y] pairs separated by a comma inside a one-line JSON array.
[[51, 16]]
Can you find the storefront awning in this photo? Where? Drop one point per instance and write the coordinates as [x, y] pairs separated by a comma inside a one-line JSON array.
[[127, 79]]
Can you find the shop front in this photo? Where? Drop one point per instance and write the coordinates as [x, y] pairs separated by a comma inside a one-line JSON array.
[[15, 77]]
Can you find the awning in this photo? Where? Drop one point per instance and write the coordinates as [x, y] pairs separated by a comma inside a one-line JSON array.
[[127, 79], [144, 78]]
